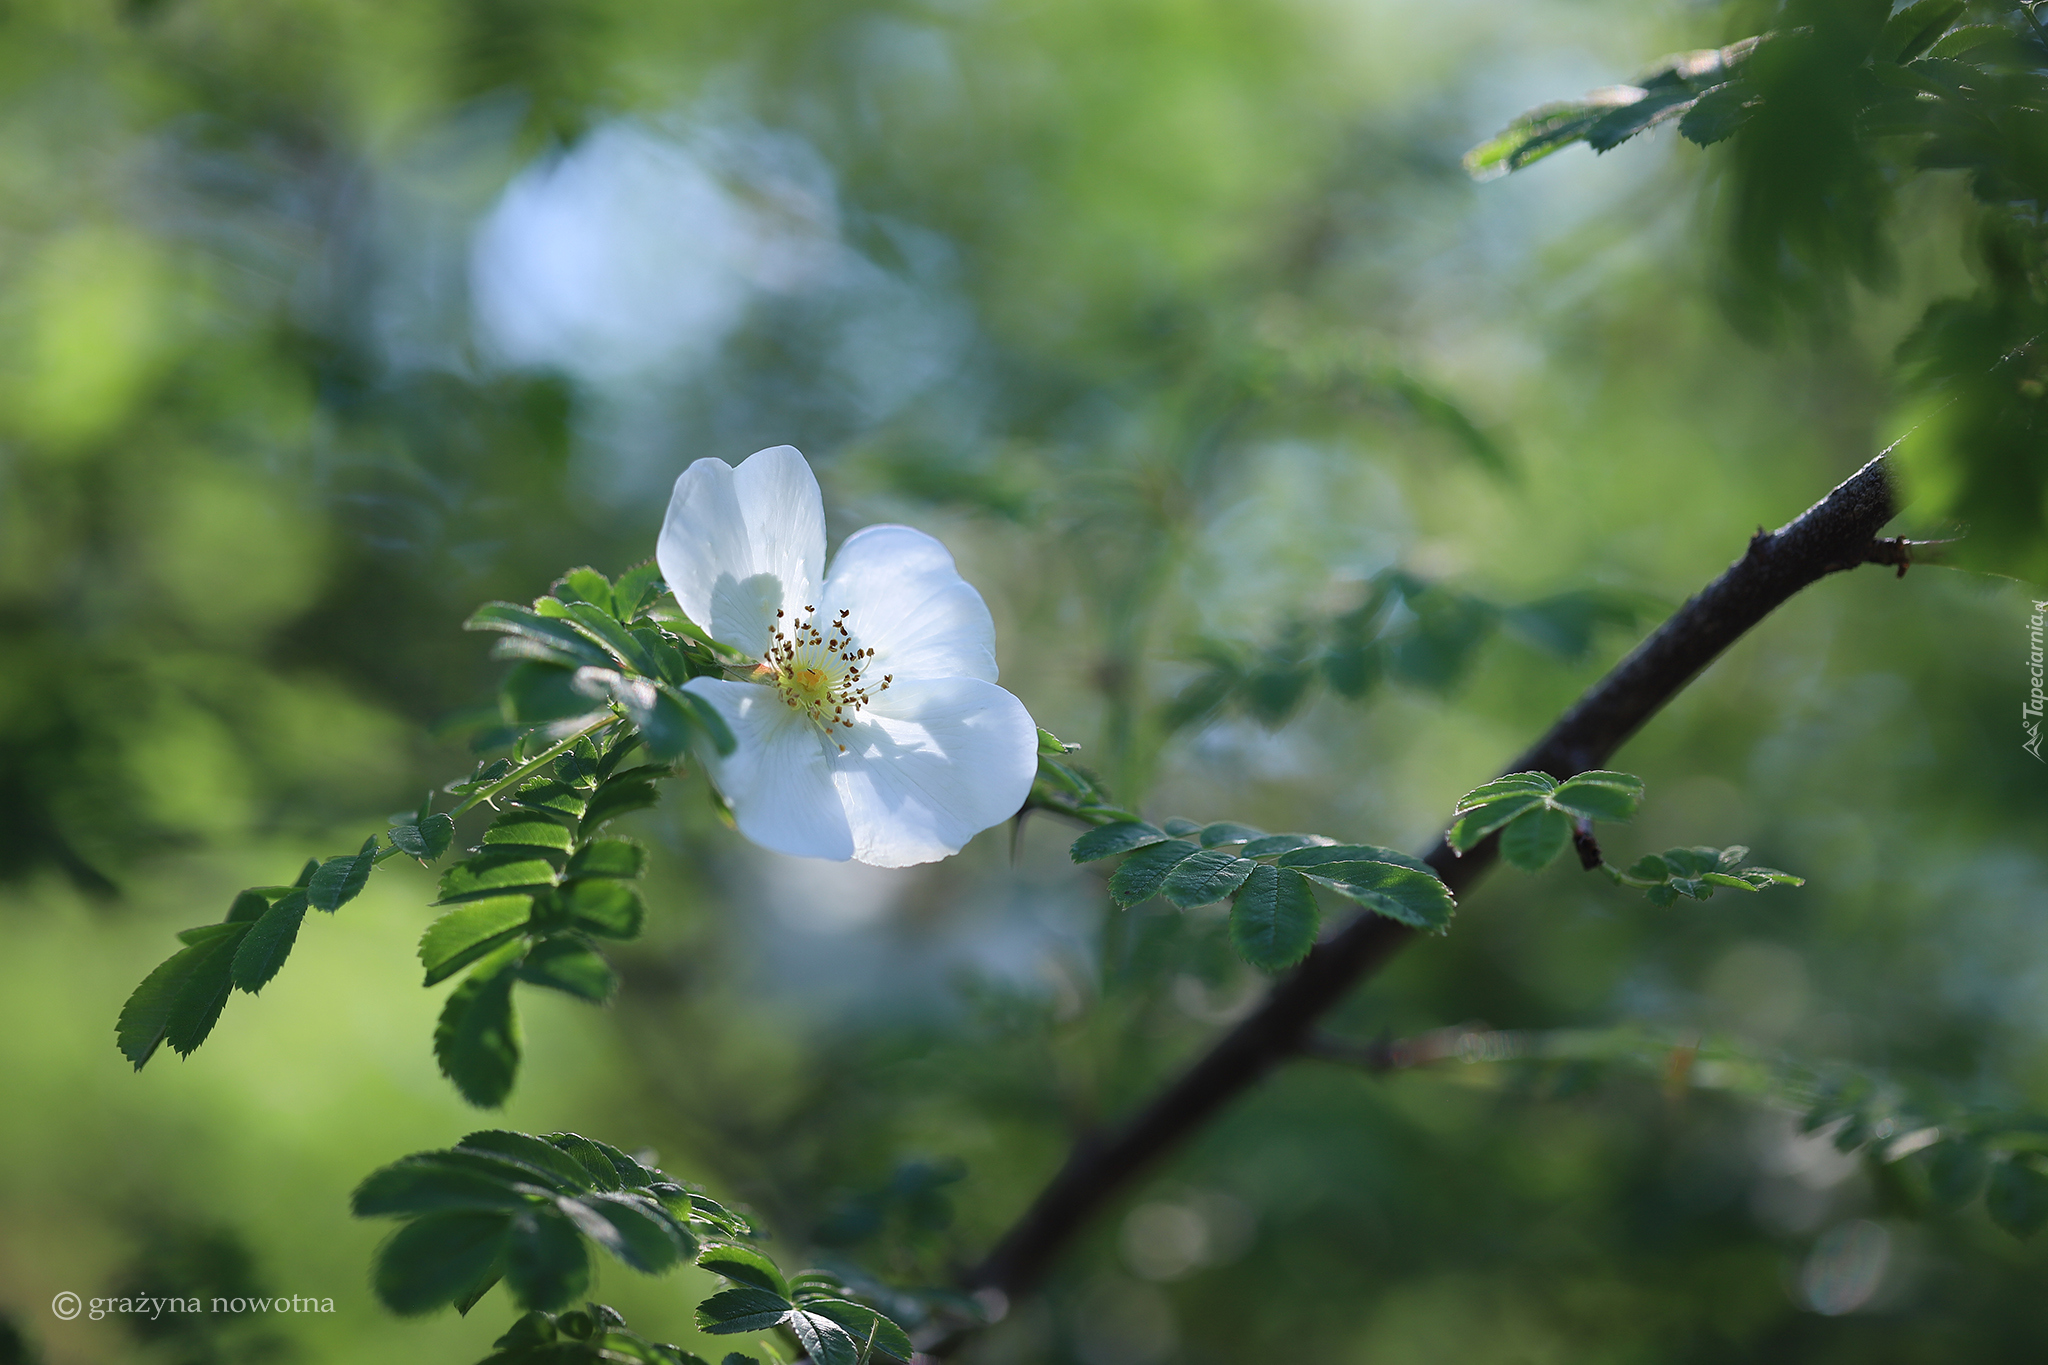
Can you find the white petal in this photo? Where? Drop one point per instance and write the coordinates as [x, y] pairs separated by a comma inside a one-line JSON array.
[[779, 780], [930, 764], [911, 606], [739, 543]]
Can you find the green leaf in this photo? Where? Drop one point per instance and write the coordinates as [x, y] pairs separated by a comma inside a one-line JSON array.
[[2017, 1198], [476, 1041], [1512, 784], [744, 1265], [1533, 839], [1225, 832], [665, 719], [1720, 113], [204, 992], [1589, 798], [425, 1183], [1205, 877], [1397, 891], [546, 1262], [493, 875], [605, 907], [549, 1163], [607, 858], [146, 1017], [538, 693], [470, 931], [598, 626], [823, 1340], [1316, 855], [341, 880], [250, 905], [588, 585], [433, 1260], [742, 1308], [630, 1227], [864, 1325], [1282, 843], [548, 795], [1273, 918], [620, 795], [527, 829], [1180, 828], [636, 588], [1914, 29], [512, 620], [269, 942], [1145, 871], [570, 966], [1109, 840], [1956, 1171], [1476, 822], [428, 839]]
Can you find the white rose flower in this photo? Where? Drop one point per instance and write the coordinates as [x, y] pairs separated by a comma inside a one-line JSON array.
[[871, 726]]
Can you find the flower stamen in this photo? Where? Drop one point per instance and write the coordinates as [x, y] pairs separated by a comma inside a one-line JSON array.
[[819, 673]]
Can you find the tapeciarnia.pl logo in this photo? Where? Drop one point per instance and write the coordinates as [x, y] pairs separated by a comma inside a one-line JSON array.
[[2030, 712]]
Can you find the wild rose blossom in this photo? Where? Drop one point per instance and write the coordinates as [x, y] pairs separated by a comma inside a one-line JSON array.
[[870, 726]]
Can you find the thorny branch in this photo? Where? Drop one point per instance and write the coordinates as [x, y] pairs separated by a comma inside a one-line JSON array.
[[1839, 532]]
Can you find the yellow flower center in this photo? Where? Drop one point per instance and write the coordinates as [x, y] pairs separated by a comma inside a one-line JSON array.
[[819, 672]]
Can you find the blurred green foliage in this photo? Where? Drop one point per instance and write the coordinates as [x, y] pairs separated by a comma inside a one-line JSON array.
[[321, 324]]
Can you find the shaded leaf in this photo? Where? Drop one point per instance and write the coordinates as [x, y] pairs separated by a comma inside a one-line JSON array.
[[476, 1040], [570, 966], [341, 880], [1108, 840], [1533, 839], [1205, 877], [269, 942], [469, 931], [433, 1260], [1274, 918], [1145, 871]]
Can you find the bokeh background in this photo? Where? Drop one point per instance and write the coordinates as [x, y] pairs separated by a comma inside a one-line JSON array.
[[323, 321]]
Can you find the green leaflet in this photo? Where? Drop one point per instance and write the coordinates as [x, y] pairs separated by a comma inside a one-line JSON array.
[[179, 1001], [1144, 872], [744, 1265], [470, 931], [742, 1308], [427, 840], [607, 858], [341, 880], [1109, 840], [607, 908], [1273, 918], [546, 1262], [1228, 832], [476, 1041], [570, 966], [1205, 877], [494, 875], [434, 1259], [1533, 839], [2017, 1197], [522, 829], [1414, 897], [554, 633], [264, 948]]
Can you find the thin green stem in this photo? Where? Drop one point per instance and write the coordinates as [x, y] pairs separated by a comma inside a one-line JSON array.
[[518, 774], [527, 769]]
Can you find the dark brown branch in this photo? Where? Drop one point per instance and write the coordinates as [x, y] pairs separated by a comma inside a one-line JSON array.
[[1838, 532]]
